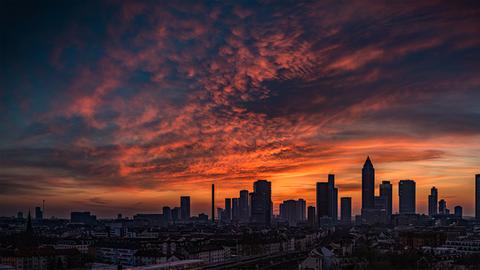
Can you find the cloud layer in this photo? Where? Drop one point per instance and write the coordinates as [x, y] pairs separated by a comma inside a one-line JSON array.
[[128, 105]]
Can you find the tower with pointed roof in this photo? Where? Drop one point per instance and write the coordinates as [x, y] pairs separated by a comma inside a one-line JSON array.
[[368, 185]]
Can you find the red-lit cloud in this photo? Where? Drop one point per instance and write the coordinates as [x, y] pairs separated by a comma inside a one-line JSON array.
[[180, 96]]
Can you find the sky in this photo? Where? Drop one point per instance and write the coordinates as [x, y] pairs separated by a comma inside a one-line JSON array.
[[124, 106]]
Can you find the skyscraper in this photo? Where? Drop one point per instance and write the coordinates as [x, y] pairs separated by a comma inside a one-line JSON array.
[[433, 202], [368, 185], [386, 194], [323, 205], [333, 198], [406, 193], [228, 209], [243, 205], [311, 216], [289, 212], [327, 200], [477, 197], [442, 207], [346, 210], [235, 209], [261, 209], [301, 209], [185, 207]]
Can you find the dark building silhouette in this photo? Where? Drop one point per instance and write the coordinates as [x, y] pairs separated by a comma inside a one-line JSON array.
[[386, 194], [458, 211], [442, 207], [477, 197], [288, 212], [346, 210], [261, 206], [333, 197], [406, 193], [327, 200], [301, 209], [380, 203], [228, 210], [433, 202], [83, 217], [185, 207], [38, 213], [293, 211], [28, 239], [235, 209], [176, 214], [311, 216], [368, 185], [243, 205], [167, 214], [213, 203], [323, 205]]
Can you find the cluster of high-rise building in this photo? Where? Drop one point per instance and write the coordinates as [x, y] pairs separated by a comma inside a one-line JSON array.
[[256, 207], [253, 207]]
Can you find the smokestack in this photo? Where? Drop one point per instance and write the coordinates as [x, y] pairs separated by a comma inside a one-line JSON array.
[[213, 203]]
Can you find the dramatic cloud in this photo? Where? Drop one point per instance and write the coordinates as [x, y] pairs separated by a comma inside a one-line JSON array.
[[125, 106]]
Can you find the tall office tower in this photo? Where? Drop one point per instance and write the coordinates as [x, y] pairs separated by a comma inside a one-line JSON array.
[[235, 209], [38, 213], [433, 202], [213, 203], [458, 211], [442, 207], [323, 205], [301, 208], [335, 205], [167, 214], [477, 197], [333, 197], [282, 211], [176, 214], [346, 210], [386, 194], [406, 194], [289, 212], [228, 209], [261, 206], [243, 205], [311, 216], [368, 185], [185, 207]]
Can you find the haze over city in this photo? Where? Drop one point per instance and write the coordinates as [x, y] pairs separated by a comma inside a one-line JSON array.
[[123, 107]]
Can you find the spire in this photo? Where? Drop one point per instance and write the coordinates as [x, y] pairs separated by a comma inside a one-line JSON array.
[[368, 163], [29, 229]]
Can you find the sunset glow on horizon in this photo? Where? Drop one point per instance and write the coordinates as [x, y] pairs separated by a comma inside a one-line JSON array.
[[124, 106]]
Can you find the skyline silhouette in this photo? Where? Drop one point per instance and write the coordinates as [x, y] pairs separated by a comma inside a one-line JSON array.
[[218, 200]]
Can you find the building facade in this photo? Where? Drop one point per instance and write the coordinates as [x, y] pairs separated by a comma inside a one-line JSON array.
[[406, 193]]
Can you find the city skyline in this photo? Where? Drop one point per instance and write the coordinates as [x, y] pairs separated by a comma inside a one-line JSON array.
[[111, 107], [324, 203]]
